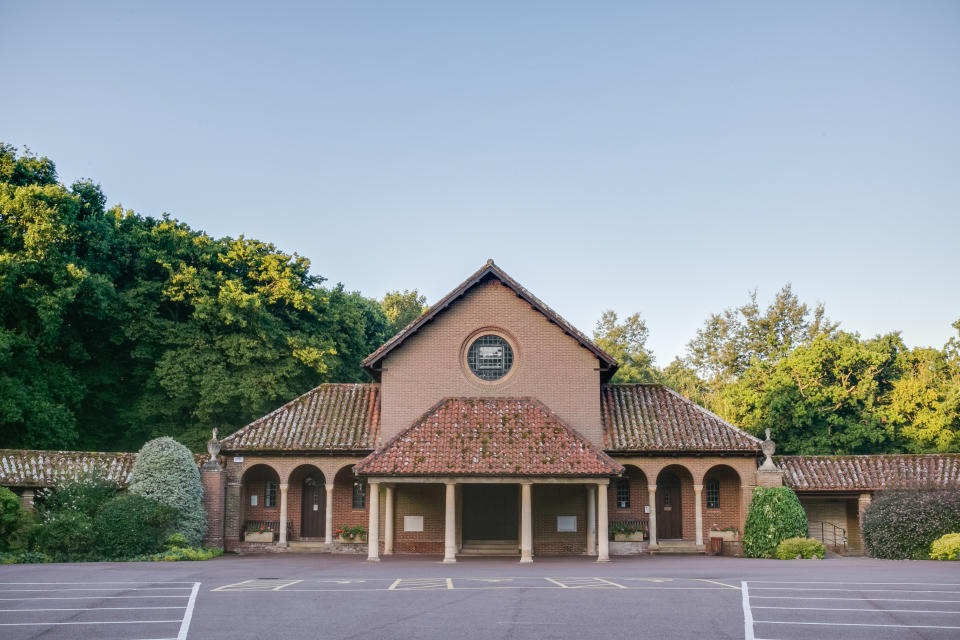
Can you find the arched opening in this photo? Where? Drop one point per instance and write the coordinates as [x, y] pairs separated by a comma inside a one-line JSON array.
[[721, 500], [350, 499], [260, 500], [674, 503], [628, 499], [307, 502]]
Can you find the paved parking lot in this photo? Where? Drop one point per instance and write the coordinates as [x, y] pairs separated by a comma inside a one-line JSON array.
[[96, 609], [305, 596], [818, 609]]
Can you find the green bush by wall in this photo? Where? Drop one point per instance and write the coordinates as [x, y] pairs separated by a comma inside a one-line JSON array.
[[902, 524], [131, 525], [946, 547], [775, 514], [792, 548]]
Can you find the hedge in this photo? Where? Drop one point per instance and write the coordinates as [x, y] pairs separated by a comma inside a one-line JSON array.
[[14, 520], [165, 471], [775, 514], [131, 525], [901, 524]]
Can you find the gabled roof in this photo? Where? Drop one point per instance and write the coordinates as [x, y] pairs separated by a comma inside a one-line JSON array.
[[869, 473], [490, 270], [652, 418], [35, 468], [331, 417], [489, 436]]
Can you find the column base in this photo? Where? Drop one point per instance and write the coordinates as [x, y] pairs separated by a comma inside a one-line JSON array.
[[526, 560], [653, 547], [449, 560], [373, 559], [603, 559]]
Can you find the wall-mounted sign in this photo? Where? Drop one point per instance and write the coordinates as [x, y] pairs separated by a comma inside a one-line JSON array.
[[567, 523], [413, 523], [238, 458], [253, 500]]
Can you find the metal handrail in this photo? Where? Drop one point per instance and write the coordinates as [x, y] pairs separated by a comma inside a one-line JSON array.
[[835, 540]]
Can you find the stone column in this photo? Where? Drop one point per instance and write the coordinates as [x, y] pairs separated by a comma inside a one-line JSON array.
[[373, 530], [863, 501], [603, 535], [652, 517], [328, 513], [213, 477], [388, 522], [26, 499], [283, 514], [698, 509], [526, 522], [591, 520], [450, 524]]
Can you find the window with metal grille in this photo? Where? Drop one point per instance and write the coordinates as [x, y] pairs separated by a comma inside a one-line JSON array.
[[490, 357], [270, 494], [623, 493], [359, 494], [713, 494]]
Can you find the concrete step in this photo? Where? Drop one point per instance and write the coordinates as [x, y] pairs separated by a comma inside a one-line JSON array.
[[490, 548], [680, 547], [297, 546]]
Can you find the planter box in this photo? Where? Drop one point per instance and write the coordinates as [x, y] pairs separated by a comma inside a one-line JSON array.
[[627, 548], [266, 536], [726, 536], [357, 540], [628, 537]]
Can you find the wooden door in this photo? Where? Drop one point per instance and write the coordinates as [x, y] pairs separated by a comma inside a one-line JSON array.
[[314, 509], [669, 515], [490, 511]]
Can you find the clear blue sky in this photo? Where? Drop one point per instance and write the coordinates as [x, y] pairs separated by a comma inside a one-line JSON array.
[[660, 157]]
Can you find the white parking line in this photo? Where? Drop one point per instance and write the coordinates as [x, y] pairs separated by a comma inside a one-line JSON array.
[[93, 609], [188, 615], [857, 624], [854, 599], [89, 598], [870, 610], [47, 624], [747, 614]]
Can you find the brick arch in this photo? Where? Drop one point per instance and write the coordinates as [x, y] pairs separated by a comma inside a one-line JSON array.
[[638, 495], [687, 497], [730, 487], [344, 511], [253, 483]]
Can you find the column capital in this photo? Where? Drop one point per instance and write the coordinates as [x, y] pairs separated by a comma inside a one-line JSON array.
[[328, 487], [284, 486], [698, 488], [526, 482], [651, 488]]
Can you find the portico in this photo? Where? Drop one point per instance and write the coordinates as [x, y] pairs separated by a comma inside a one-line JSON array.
[[588, 526]]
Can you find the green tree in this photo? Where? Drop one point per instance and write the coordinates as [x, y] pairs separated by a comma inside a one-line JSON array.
[[822, 398], [626, 342], [402, 308]]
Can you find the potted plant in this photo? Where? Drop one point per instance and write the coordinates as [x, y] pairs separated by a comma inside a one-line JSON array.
[[628, 531], [351, 534], [263, 533], [727, 534]]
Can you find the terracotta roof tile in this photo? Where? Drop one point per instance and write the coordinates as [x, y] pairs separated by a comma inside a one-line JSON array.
[[848, 473], [331, 417], [33, 468], [651, 417], [491, 270], [489, 436]]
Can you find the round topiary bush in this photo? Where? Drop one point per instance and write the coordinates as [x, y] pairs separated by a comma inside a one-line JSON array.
[[131, 525], [165, 471], [775, 514], [902, 524]]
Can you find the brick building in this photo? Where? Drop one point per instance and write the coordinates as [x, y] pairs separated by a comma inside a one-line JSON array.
[[491, 428]]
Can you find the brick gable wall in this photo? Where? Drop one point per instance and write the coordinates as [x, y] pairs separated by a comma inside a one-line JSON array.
[[548, 364]]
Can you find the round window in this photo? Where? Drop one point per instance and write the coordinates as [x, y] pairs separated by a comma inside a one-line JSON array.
[[490, 357]]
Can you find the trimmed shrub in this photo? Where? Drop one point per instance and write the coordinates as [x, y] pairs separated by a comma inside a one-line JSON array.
[[66, 535], [792, 548], [14, 521], [946, 547], [902, 524], [775, 514], [182, 553], [165, 471], [23, 557], [131, 525]]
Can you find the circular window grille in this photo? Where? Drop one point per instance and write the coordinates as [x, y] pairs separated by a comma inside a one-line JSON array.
[[490, 357]]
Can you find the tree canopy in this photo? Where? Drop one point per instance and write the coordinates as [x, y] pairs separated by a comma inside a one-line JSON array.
[[116, 328]]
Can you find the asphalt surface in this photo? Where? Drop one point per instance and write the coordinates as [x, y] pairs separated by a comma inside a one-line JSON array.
[[344, 597]]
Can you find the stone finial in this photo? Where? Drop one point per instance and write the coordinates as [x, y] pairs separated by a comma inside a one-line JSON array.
[[213, 448], [768, 447]]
